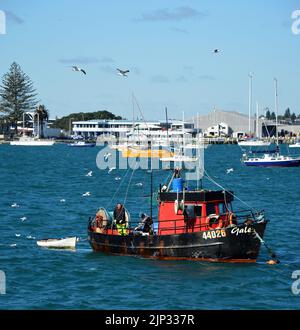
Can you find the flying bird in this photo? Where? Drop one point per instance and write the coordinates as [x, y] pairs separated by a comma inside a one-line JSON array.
[[62, 200], [86, 194], [123, 72], [216, 51], [230, 170], [76, 68], [23, 219], [90, 173]]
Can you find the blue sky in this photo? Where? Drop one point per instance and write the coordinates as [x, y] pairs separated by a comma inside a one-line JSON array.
[[167, 46]]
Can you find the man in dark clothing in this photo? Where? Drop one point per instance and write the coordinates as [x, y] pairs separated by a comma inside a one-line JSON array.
[[120, 218]]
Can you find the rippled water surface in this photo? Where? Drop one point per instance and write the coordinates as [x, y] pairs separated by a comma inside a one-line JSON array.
[[37, 179]]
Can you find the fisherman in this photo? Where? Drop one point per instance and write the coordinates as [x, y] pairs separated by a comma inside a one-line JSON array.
[[177, 173], [145, 224], [188, 218], [120, 219], [99, 223]]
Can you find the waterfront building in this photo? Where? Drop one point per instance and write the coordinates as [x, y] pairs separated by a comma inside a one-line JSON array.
[[127, 128]]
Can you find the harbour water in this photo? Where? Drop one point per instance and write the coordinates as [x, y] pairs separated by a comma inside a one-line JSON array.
[[47, 184]]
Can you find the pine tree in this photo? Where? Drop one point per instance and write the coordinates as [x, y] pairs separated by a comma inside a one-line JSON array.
[[17, 94], [273, 116], [287, 114], [268, 114], [293, 117], [40, 116]]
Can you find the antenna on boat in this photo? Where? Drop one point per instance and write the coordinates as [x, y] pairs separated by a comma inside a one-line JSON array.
[[151, 193]]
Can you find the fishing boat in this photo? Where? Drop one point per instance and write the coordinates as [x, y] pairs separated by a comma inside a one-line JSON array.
[[58, 243], [192, 224], [82, 144]]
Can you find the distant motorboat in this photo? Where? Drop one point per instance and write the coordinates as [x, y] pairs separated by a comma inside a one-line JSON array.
[[82, 144], [254, 143], [179, 158], [295, 145], [58, 243], [30, 141], [269, 160]]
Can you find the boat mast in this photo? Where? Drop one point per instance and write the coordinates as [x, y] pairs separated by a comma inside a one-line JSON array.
[[166, 111], [257, 129], [151, 193], [276, 109], [250, 99]]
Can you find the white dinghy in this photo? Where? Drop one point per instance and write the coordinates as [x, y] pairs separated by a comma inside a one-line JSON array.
[[58, 243]]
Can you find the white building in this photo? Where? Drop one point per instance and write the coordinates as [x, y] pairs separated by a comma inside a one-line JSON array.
[[219, 130], [126, 128]]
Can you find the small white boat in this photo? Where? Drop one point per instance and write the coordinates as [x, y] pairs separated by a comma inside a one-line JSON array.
[[32, 142], [254, 143], [82, 144], [58, 243], [295, 145], [179, 158]]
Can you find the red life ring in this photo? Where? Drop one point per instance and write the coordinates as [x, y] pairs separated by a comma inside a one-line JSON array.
[[211, 220]]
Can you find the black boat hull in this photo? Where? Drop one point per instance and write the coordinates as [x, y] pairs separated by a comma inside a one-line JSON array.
[[232, 244]]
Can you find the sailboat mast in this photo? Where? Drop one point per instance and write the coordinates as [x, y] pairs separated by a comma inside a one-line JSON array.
[[257, 129], [166, 111], [250, 99], [276, 109]]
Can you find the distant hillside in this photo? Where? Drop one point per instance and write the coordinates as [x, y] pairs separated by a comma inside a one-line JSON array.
[[64, 122]]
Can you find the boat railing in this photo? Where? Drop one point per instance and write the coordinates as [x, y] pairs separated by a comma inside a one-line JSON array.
[[196, 224]]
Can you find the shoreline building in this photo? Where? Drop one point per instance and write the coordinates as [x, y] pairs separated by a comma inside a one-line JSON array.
[[127, 128]]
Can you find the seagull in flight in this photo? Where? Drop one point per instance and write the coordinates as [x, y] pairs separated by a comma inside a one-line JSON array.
[[216, 51], [230, 170], [76, 68], [123, 72], [86, 194], [90, 173]]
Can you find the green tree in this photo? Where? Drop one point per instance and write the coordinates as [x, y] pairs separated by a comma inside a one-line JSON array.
[[64, 122], [287, 114], [17, 94], [293, 117], [273, 116], [41, 115], [268, 114]]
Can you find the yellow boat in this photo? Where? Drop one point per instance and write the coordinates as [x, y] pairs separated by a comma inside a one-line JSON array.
[[145, 153]]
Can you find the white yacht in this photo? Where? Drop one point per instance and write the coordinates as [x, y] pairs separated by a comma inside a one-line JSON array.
[[32, 142], [295, 145]]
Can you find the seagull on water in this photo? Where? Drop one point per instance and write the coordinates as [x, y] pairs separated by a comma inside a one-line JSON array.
[[117, 178], [15, 205], [76, 68], [106, 155], [90, 173], [23, 219], [17, 235], [139, 184], [111, 169], [123, 72], [86, 194]]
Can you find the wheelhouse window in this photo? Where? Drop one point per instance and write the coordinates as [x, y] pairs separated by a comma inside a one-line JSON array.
[[210, 209], [198, 210]]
